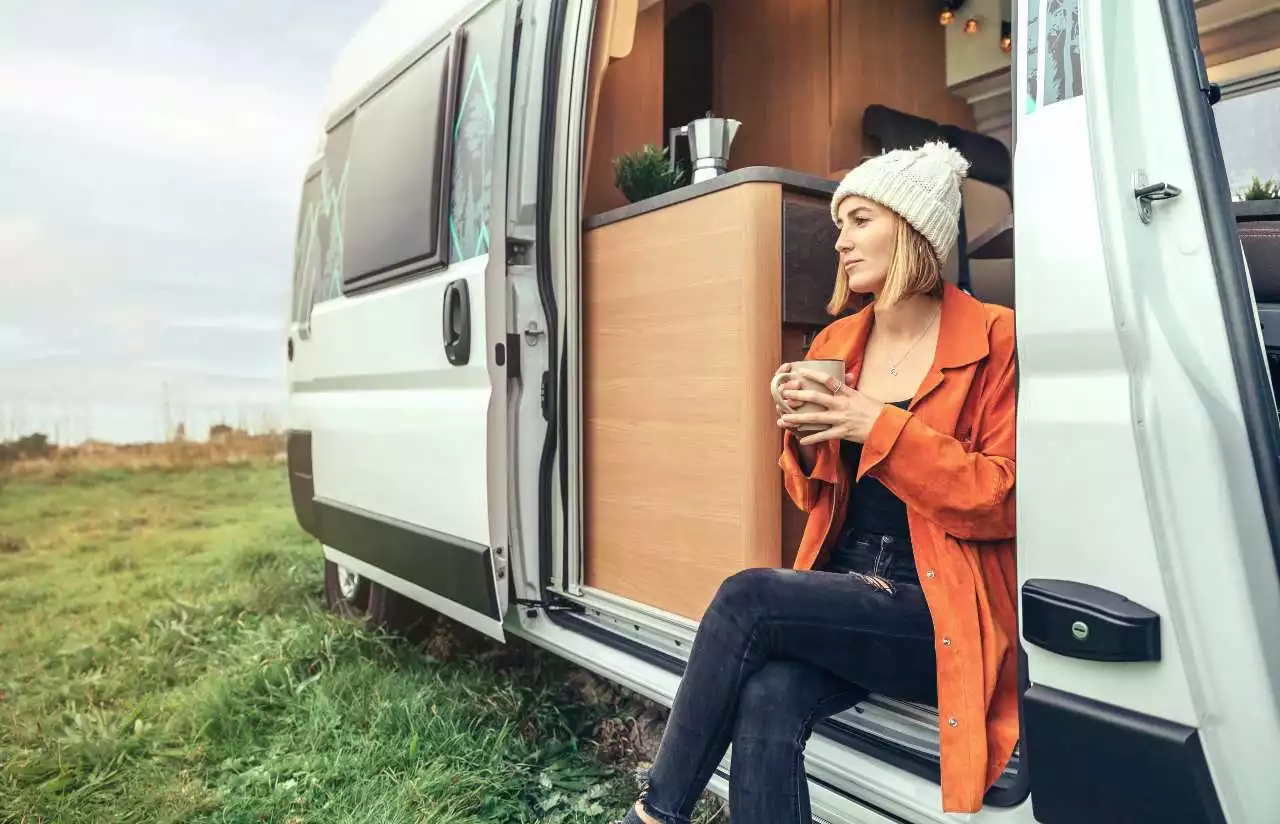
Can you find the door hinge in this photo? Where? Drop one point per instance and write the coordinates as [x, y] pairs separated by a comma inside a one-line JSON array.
[[543, 398], [552, 604]]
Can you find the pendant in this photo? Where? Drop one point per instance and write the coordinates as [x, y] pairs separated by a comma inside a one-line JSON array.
[[893, 370]]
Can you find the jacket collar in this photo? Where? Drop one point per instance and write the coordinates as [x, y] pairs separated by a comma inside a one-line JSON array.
[[962, 338]]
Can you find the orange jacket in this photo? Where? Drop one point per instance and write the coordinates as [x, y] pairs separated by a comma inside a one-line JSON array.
[[950, 458]]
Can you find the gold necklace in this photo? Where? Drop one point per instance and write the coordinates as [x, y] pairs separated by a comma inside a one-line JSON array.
[[893, 367]]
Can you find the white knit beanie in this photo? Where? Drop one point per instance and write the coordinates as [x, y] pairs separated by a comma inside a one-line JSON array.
[[922, 185]]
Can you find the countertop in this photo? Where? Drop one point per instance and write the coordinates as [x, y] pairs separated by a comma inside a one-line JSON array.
[[792, 181]]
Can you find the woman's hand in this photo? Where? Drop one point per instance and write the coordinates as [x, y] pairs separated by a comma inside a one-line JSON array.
[[785, 386], [848, 414]]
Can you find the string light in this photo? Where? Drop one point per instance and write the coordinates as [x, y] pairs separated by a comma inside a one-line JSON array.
[[948, 14]]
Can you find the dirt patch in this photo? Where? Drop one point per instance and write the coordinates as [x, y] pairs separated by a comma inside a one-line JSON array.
[[12, 544]]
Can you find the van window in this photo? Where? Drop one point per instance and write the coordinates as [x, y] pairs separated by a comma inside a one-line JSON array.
[[306, 248], [1247, 129], [473, 132], [393, 215], [323, 279]]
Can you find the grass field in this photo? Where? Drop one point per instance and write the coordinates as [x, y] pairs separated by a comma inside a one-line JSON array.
[[165, 656]]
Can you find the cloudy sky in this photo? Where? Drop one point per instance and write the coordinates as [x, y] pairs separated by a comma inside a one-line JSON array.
[[151, 155]]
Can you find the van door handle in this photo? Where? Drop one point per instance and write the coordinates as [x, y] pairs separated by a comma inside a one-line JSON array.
[[1087, 622], [457, 323]]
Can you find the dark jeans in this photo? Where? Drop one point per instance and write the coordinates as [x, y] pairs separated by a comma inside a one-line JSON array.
[[776, 651]]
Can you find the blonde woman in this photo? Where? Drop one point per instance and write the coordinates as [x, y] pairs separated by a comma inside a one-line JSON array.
[[904, 582]]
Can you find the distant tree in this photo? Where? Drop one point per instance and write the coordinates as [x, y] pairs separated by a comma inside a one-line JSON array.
[[28, 447]]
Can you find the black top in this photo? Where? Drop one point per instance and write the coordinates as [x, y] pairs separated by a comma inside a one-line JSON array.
[[873, 509]]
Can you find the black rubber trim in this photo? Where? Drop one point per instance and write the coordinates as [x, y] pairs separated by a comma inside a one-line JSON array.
[[546, 286], [1261, 423], [1007, 794], [302, 485], [453, 568], [1098, 762]]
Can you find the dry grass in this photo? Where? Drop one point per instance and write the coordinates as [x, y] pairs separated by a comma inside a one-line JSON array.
[[228, 447]]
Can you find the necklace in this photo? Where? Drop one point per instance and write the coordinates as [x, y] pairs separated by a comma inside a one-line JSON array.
[[893, 367]]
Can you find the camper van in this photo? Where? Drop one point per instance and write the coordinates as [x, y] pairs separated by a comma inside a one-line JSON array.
[[538, 404]]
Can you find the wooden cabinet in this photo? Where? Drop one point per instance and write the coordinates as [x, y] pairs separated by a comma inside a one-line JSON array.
[[684, 324]]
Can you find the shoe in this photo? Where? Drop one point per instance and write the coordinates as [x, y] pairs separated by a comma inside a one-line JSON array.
[[632, 817]]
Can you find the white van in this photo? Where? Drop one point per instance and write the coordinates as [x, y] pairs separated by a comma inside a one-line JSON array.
[[523, 402]]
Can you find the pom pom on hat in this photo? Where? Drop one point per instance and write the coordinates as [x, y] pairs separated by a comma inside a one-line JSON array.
[[948, 154], [921, 185]]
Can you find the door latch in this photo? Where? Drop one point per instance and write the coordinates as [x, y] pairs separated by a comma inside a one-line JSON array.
[[1147, 193]]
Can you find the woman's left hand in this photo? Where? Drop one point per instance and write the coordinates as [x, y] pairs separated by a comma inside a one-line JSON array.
[[849, 414]]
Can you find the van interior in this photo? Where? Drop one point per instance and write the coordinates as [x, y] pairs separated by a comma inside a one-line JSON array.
[[691, 298]]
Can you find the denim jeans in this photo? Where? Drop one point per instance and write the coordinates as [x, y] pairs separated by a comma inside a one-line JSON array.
[[776, 651]]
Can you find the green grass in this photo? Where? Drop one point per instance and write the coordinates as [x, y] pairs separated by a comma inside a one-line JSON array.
[[165, 656]]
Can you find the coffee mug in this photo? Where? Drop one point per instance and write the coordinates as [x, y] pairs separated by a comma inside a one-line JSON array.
[[830, 368]]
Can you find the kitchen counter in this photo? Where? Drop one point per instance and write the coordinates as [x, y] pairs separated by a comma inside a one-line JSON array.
[[791, 181], [690, 302]]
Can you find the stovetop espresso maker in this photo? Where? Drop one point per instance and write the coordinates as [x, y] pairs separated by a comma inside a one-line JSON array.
[[709, 141]]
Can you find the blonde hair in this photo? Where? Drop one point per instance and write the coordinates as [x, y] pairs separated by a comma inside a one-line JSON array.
[[914, 270]]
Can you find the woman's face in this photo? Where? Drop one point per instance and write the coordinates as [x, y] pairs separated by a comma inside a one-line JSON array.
[[868, 234]]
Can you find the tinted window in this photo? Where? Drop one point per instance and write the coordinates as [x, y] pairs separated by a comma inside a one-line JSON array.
[[393, 183]]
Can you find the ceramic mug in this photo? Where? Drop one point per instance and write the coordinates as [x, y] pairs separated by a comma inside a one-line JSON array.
[[830, 368]]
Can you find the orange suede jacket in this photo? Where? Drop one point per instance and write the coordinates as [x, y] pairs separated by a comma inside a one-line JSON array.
[[950, 457]]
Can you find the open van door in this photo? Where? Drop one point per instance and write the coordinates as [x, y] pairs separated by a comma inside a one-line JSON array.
[[1147, 454], [399, 355]]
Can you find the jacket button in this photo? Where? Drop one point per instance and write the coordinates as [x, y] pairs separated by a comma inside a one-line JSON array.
[[929, 574], [953, 722], [946, 642]]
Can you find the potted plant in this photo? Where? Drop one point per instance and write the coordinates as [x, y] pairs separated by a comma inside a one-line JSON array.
[[645, 173]]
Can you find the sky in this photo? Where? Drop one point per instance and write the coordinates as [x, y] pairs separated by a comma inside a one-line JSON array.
[[151, 158]]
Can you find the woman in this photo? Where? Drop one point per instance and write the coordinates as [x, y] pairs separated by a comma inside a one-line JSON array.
[[904, 582]]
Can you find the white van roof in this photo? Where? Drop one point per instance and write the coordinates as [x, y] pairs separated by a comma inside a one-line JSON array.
[[395, 29]]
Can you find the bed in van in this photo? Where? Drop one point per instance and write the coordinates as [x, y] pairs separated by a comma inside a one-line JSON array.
[[524, 401]]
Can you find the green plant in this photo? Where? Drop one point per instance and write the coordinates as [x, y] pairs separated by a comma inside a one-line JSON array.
[[645, 173], [1262, 190]]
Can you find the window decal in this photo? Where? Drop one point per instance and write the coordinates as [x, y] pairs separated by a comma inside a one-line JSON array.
[[473, 138], [1033, 55], [1063, 77]]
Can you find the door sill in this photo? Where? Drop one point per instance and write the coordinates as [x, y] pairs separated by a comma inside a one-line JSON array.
[[898, 733]]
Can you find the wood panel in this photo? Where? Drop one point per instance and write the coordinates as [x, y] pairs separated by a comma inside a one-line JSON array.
[[629, 112], [1241, 39], [888, 53], [773, 72], [680, 441]]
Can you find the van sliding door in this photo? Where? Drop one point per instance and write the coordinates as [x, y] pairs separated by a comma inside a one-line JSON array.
[[1146, 452], [402, 375]]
